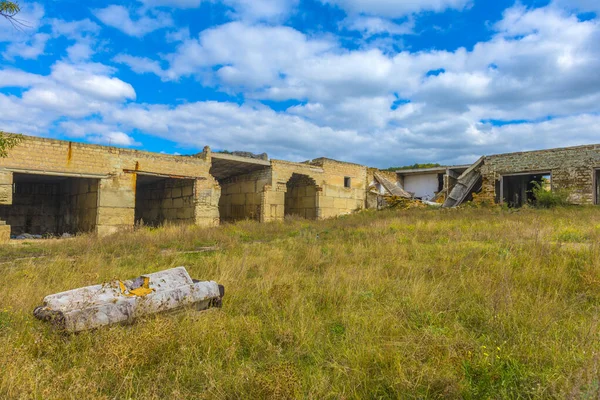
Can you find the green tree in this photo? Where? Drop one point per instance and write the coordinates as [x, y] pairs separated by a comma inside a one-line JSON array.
[[8, 10]]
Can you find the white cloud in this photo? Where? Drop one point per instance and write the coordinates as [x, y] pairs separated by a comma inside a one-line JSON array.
[[173, 3], [257, 10], [250, 55], [579, 5], [92, 80], [396, 8], [114, 138], [145, 22], [370, 26], [30, 49], [140, 65]]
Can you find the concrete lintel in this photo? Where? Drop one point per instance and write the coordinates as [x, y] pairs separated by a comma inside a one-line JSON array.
[[146, 173], [438, 170], [247, 160], [57, 173]]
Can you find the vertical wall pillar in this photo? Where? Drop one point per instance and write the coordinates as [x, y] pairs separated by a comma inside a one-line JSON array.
[[6, 198], [116, 204], [273, 203], [207, 194]]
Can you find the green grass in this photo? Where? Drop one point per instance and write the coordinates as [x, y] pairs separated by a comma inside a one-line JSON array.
[[407, 304]]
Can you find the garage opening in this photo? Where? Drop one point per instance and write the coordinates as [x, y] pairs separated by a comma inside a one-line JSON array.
[[517, 190], [597, 185], [51, 205], [160, 200], [301, 197]]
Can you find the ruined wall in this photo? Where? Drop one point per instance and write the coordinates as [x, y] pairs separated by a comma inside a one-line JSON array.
[[242, 196], [336, 199], [52, 208], [332, 198], [36, 209], [572, 169], [116, 168], [165, 200], [301, 197]]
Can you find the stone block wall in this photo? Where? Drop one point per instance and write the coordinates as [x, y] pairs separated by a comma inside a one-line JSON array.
[[80, 210], [301, 197], [165, 200], [35, 209], [572, 169], [242, 196], [332, 197], [52, 207]]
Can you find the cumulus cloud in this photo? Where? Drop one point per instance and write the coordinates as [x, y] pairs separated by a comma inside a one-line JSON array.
[[140, 25], [395, 8], [370, 26]]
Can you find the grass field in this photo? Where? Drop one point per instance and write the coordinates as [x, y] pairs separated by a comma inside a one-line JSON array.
[[397, 304]]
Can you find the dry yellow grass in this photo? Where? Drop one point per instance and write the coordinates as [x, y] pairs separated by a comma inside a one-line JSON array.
[[398, 304]]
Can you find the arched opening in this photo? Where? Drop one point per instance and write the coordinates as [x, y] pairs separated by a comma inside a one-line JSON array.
[[301, 197]]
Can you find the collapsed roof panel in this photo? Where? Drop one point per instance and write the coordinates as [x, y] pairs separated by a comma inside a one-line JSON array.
[[391, 187], [465, 185]]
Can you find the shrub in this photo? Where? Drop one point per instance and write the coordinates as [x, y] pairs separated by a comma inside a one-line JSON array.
[[549, 198]]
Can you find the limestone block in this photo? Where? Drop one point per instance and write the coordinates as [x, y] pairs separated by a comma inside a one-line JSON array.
[[187, 190], [116, 216], [4, 232], [6, 194], [238, 198], [6, 178], [116, 193], [177, 192], [339, 203], [326, 202], [248, 187], [178, 203]]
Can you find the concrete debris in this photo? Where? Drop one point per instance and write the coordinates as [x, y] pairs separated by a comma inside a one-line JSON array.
[[28, 236], [119, 302], [247, 154], [466, 184]]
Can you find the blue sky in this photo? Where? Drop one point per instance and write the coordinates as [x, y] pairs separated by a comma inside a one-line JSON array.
[[378, 82]]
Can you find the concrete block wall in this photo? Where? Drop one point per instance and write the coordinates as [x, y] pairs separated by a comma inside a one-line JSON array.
[[166, 200], [80, 208], [336, 199], [332, 198], [572, 169], [242, 196], [36, 209], [301, 197]]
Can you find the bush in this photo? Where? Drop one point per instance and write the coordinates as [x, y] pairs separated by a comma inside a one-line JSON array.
[[549, 198]]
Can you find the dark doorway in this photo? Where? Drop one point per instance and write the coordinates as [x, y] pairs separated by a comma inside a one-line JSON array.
[[597, 186], [517, 190], [301, 197], [51, 205], [159, 200]]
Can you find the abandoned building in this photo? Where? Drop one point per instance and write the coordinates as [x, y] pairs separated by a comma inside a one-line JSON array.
[[51, 187]]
